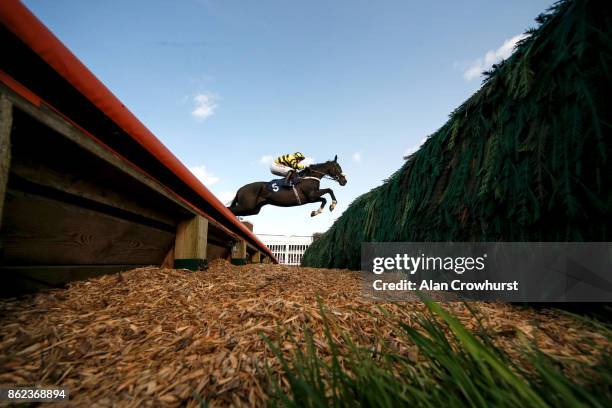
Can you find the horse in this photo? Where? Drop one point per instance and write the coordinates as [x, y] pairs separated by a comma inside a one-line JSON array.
[[250, 198]]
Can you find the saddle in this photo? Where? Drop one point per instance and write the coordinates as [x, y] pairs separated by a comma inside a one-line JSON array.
[[278, 184]]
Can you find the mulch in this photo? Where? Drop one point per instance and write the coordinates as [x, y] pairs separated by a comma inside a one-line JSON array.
[[157, 337]]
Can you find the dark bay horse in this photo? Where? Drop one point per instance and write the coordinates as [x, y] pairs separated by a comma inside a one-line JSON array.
[[250, 198]]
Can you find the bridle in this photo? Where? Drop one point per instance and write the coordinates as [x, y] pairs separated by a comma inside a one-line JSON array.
[[323, 175]]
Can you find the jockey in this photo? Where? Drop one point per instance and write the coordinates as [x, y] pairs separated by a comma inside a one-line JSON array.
[[287, 165]]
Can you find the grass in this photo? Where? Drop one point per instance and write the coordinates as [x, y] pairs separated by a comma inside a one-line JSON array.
[[453, 368]]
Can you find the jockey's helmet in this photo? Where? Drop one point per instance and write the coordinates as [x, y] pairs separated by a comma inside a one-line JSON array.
[[299, 155]]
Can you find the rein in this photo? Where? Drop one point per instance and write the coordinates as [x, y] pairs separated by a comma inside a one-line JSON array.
[[323, 175]]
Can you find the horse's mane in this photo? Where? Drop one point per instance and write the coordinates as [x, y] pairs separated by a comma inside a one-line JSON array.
[[316, 166], [319, 164]]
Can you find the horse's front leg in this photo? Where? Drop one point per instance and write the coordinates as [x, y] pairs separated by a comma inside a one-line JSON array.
[[333, 197], [316, 197]]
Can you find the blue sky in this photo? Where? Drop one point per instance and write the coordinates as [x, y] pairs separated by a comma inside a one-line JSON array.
[[228, 84]]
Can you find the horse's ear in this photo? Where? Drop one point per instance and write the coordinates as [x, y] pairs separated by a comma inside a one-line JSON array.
[[336, 158]]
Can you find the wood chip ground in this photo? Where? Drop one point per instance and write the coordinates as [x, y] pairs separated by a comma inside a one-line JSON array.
[[154, 337]]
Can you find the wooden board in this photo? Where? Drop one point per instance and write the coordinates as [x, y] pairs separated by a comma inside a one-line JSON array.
[[70, 183], [215, 251], [6, 120], [43, 231], [57, 123]]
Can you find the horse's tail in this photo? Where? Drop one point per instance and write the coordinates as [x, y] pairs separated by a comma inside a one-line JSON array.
[[233, 204]]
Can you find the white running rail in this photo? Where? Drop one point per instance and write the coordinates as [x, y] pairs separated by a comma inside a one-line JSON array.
[[289, 250]]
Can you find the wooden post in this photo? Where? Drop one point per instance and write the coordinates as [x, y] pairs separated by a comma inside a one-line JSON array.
[[239, 253], [6, 122], [190, 244], [256, 257], [239, 250]]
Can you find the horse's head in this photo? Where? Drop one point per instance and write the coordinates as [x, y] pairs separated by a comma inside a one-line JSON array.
[[335, 171], [330, 169]]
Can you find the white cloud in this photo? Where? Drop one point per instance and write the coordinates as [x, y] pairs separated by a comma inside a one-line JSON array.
[[491, 57], [413, 149], [205, 106], [207, 178], [226, 197], [357, 157]]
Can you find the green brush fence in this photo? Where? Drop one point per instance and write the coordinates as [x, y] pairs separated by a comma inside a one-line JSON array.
[[526, 158]]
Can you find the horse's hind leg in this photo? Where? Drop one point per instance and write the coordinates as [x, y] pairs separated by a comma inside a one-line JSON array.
[[248, 200], [240, 211], [246, 213]]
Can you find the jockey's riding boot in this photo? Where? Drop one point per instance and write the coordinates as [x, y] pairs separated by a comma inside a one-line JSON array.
[[288, 178]]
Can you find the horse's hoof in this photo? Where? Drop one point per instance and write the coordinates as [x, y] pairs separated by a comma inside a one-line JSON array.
[[313, 213], [331, 207]]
